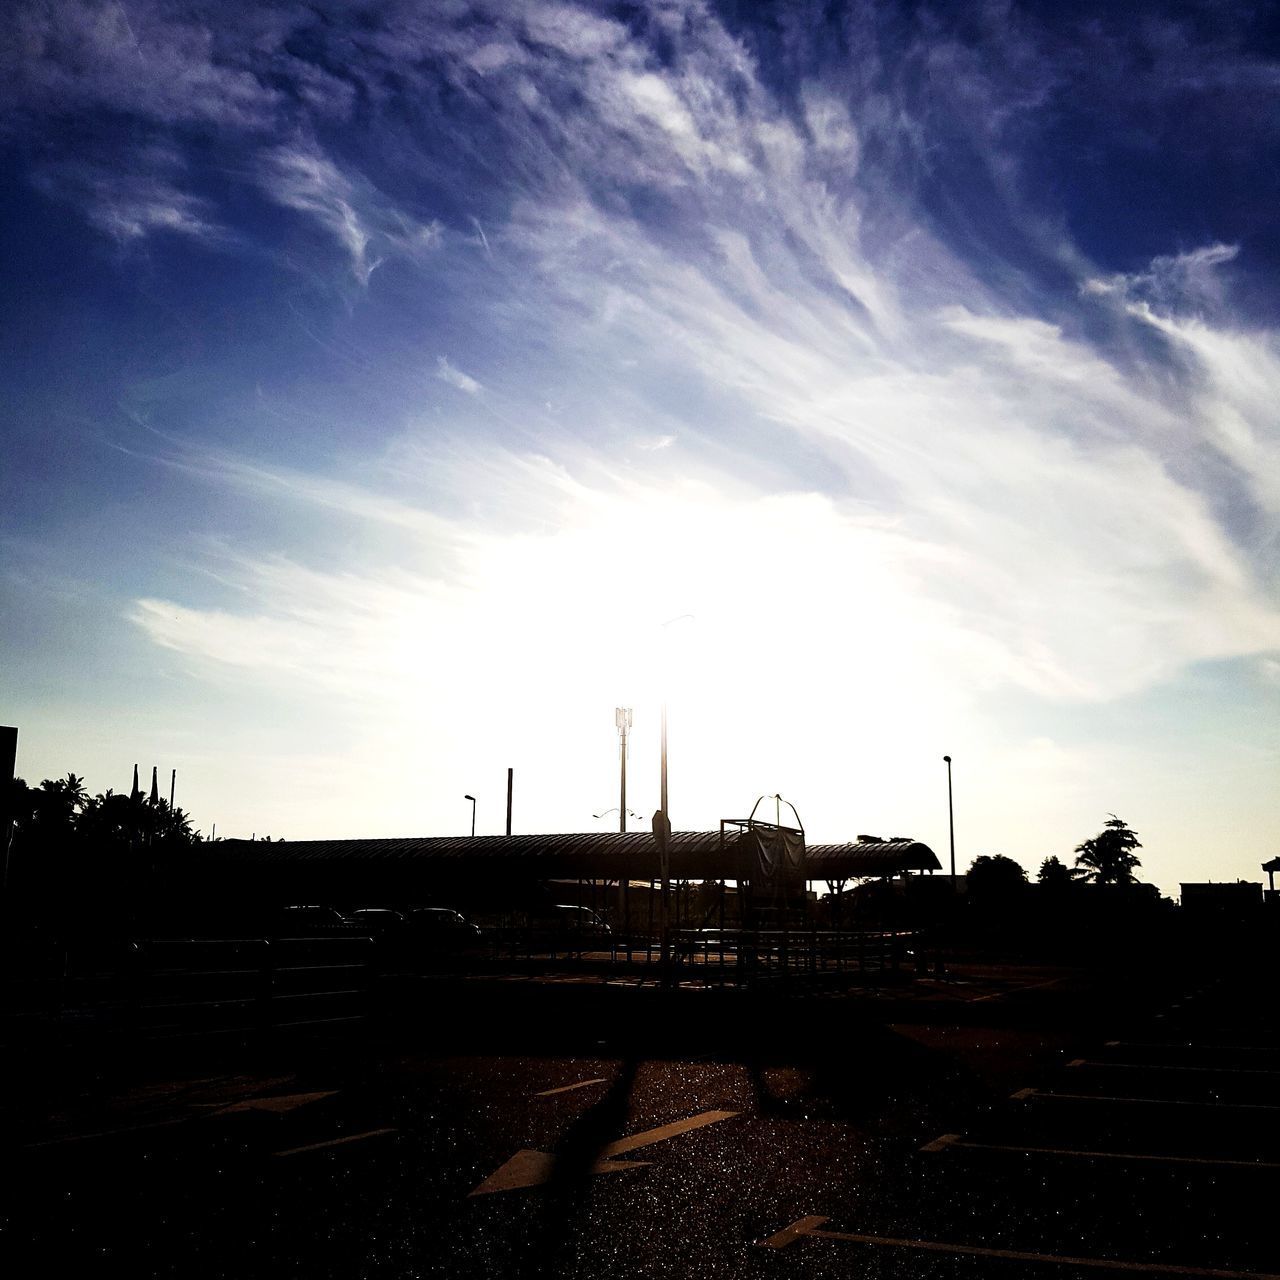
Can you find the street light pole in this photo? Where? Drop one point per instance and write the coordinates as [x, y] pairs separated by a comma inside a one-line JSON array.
[[473, 813], [662, 830], [662, 786], [622, 718], [951, 822], [664, 857]]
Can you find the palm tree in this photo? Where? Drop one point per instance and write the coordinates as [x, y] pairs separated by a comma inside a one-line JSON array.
[[1108, 857]]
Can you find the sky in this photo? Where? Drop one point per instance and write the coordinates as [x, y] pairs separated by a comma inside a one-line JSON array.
[[394, 389]]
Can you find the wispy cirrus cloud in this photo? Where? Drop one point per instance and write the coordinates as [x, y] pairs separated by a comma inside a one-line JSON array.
[[953, 431], [446, 372], [140, 58], [1177, 282], [361, 221], [131, 206], [302, 179], [1036, 478]]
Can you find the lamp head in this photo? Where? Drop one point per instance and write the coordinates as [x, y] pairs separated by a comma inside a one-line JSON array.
[[471, 798], [947, 759]]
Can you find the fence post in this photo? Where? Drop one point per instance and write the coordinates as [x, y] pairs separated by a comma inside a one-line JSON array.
[[266, 985]]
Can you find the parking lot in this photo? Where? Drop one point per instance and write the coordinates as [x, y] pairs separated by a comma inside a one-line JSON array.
[[998, 1122]]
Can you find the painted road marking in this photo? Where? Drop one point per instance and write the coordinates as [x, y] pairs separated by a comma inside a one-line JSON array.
[[951, 1141], [811, 1227], [106, 1133], [280, 1104], [1268, 1049], [529, 1168], [1013, 991], [568, 1088], [1024, 1095], [336, 1142], [665, 1131], [1165, 1066], [532, 1168]]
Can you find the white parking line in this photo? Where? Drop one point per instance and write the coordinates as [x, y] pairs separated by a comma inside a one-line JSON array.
[[568, 1088], [1166, 1066], [529, 1168], [278, 1104], [811, 1227], [1270, 1049], [1013, 991], [665, 1131], [1024, 1095], [950, 1141], [335, 1142], [106, 1133]]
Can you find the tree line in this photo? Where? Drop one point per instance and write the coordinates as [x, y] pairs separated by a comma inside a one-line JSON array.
[[60, 812], [1105, 859]]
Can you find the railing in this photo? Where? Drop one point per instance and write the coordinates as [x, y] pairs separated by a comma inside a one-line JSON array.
[[229, 985], [746, 956], [162, 987]]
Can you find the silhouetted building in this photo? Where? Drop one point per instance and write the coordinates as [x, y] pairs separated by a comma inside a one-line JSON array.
[[503, 869], [1229, 902]]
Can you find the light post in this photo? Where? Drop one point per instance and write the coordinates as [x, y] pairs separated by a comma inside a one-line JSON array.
[[622, 719], [662, 824], [473, 813], [951, 823]]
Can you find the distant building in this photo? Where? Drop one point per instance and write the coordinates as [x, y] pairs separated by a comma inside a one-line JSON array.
[[1225, 903]]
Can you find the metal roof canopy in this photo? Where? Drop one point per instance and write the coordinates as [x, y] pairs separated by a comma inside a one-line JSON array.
[[695, 855]]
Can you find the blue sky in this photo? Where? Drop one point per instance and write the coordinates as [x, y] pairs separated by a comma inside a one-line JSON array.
[[381, 377]]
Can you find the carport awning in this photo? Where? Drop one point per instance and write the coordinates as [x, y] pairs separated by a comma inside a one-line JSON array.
[[868, 858], [695, 855]]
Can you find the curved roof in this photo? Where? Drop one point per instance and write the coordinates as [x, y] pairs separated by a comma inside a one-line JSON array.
[[695, 855], [868, 858]]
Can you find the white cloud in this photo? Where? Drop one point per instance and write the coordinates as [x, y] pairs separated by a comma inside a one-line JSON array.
[[301, 178], [1179, 282], [456, 378], [574, 31], [129, 206], [135, 58], [1233, 384], [905, 490], [356, 216]]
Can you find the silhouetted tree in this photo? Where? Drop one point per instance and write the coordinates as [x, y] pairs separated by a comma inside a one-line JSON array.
[[1055, 874], [79, 861], [54, 805], [993, 875], [1108, 857]]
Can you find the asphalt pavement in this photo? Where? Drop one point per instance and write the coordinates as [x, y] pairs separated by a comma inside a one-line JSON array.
[[1024, 1125]]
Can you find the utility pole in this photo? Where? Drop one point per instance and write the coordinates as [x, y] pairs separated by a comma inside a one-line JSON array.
[[951, 823], [662, 835], [8, 769], [622, 719], [173, 781], [510, 784]]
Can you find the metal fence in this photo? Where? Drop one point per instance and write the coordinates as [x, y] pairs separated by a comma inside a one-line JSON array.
[[243, 986]]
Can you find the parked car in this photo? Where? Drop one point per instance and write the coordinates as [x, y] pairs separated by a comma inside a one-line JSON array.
[[379, 923], [563, 926], [440, 931], [582, 921], [311, 922], [709, 942]]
